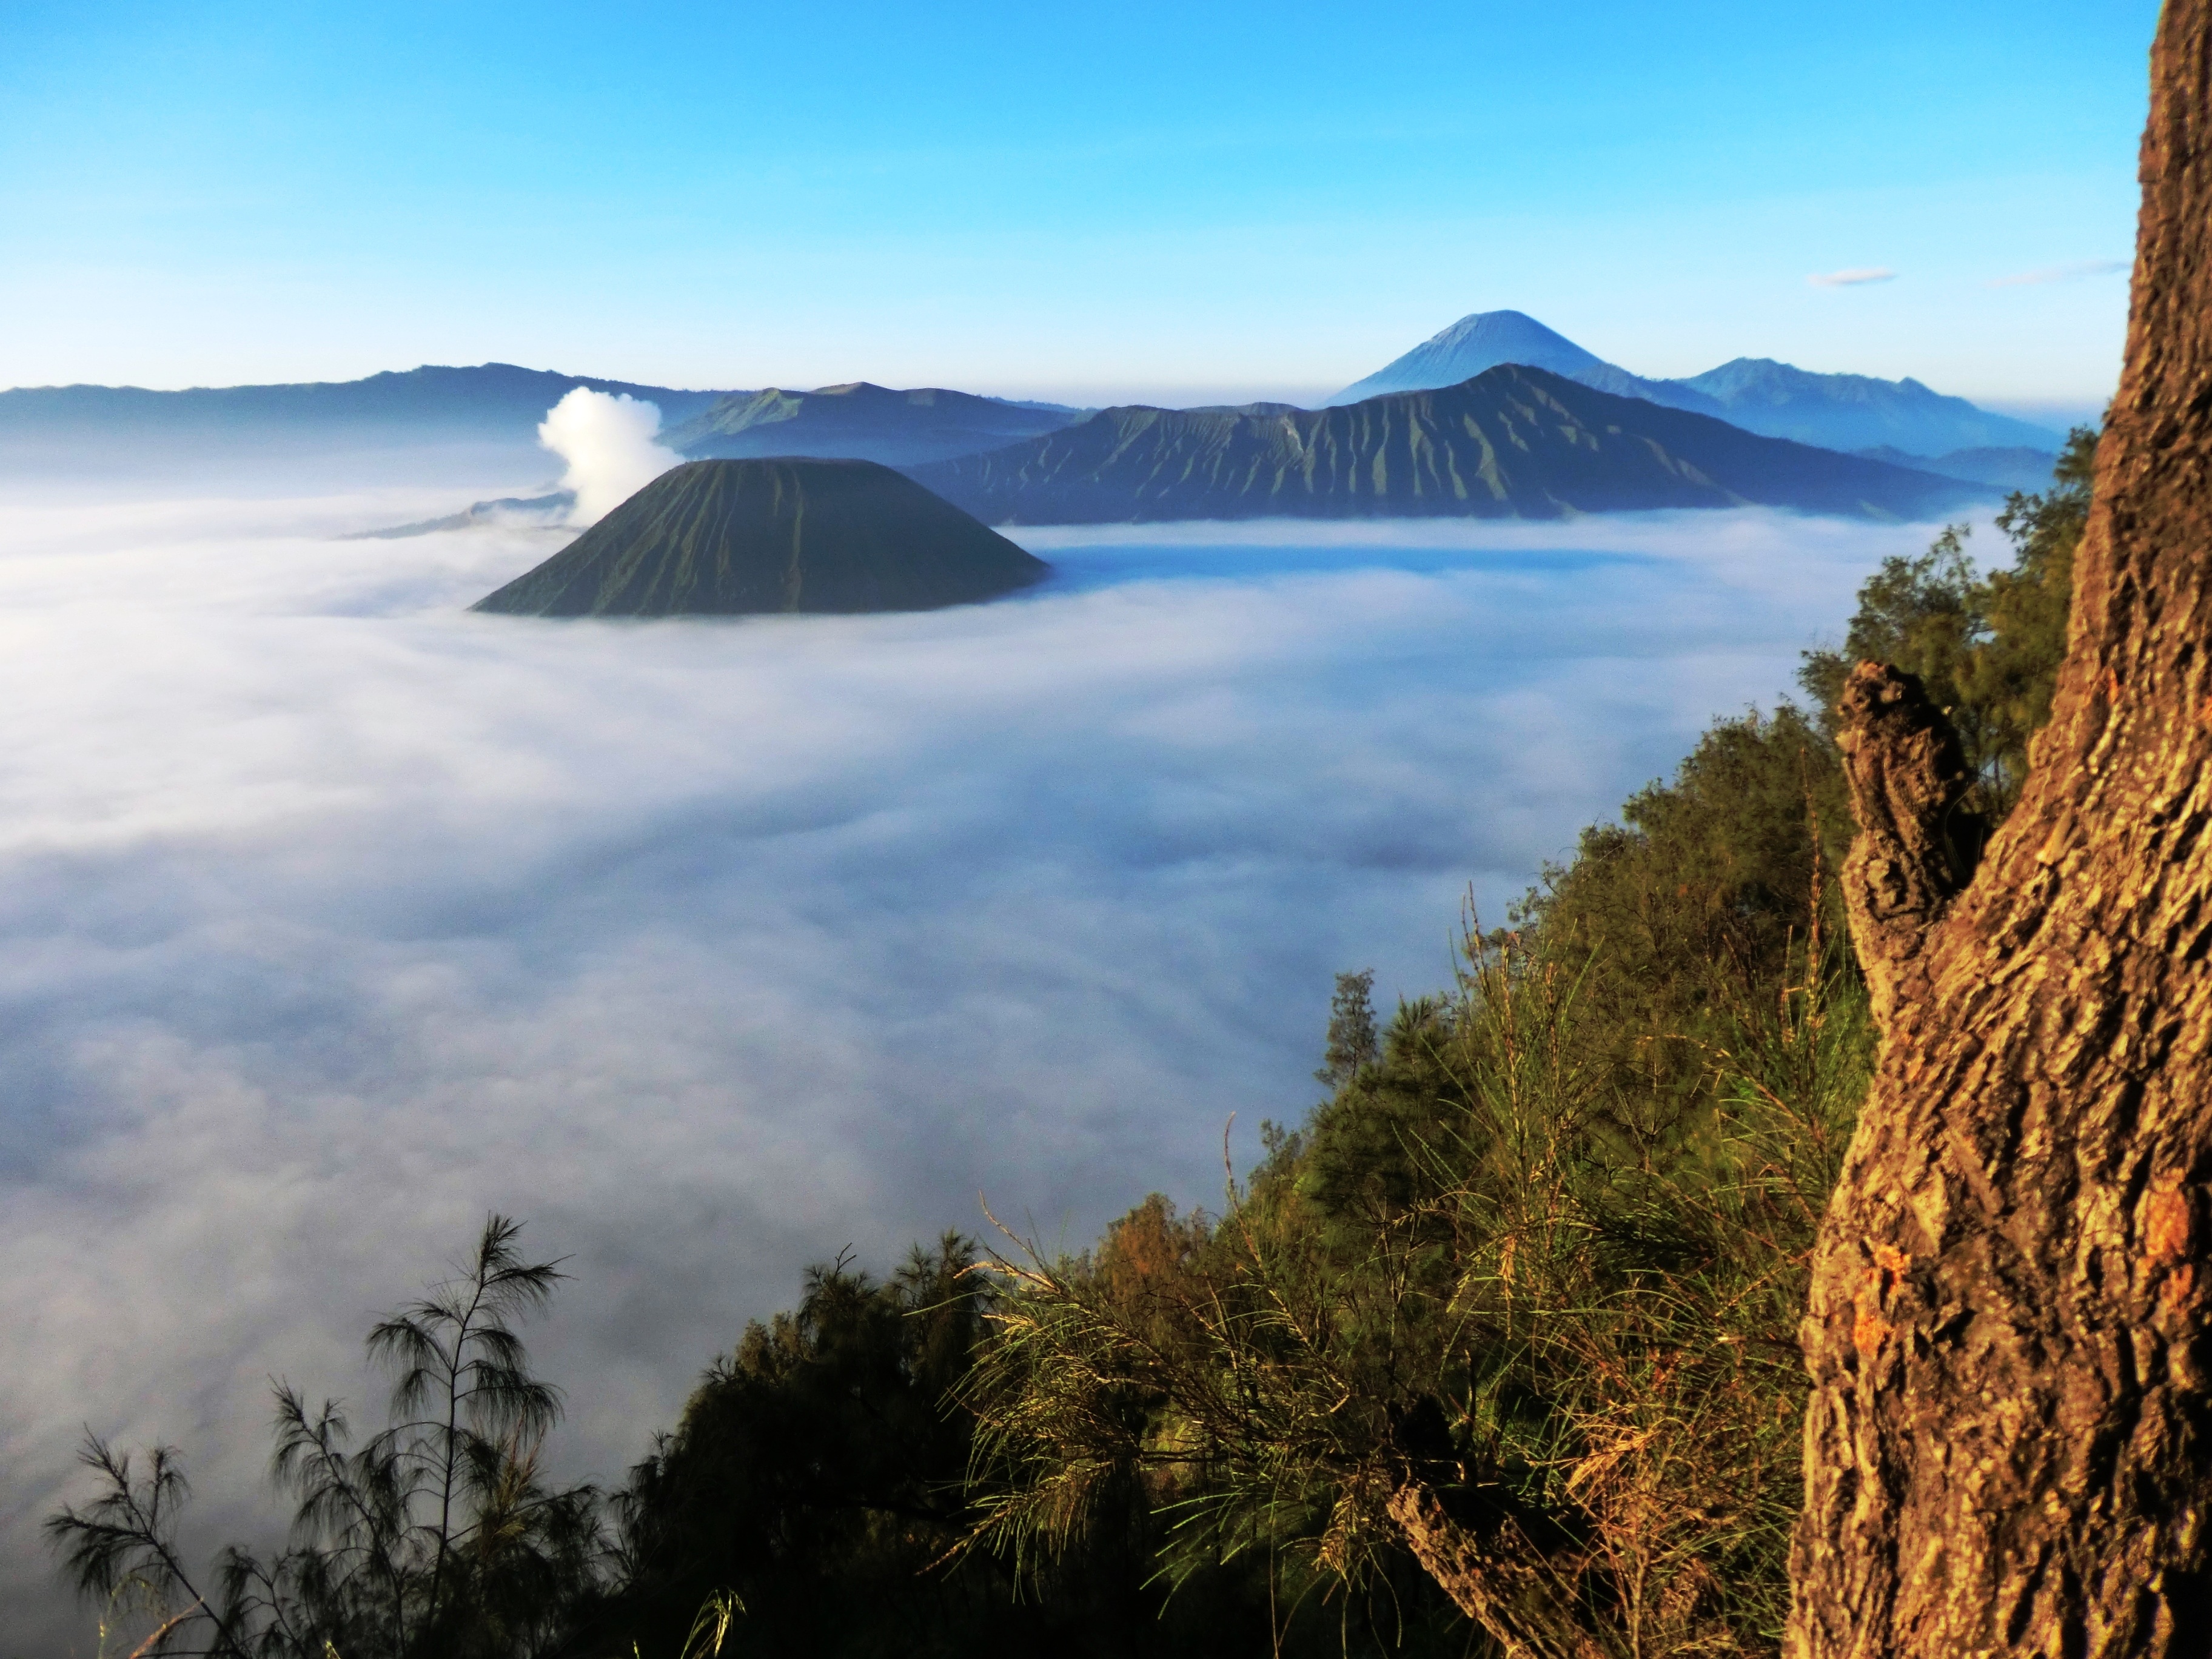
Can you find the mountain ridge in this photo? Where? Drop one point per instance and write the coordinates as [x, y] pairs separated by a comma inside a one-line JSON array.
[[860, 420], [502, 401], [1512, 442], [1774, 399], [2009, 467], [1856, 411]]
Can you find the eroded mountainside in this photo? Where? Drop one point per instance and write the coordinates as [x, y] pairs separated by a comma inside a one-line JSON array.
[[746, 537], [1513, 442]]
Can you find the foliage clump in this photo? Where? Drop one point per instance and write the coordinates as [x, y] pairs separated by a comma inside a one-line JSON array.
[[1489, 1267], [1700, 898], [814, 1473], [1986, 646], [818, 1479]]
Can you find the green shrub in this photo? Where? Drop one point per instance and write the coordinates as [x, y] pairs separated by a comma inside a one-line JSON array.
[[1493, 1263]]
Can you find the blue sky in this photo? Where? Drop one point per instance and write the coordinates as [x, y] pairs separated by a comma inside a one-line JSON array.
[[1057, 200]]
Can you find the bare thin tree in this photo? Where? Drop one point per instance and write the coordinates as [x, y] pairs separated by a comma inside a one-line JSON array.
[[435, 1536]]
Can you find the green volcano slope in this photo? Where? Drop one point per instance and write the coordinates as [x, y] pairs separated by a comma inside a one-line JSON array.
[[1512, 442], [727, 538]]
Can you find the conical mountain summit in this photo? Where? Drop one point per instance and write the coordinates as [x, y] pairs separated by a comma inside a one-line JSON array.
[[740, 538], [1488, 339]]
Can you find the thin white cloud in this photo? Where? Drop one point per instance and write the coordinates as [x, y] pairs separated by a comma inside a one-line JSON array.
[[332, 916], [1856, 277], [2060, 273]]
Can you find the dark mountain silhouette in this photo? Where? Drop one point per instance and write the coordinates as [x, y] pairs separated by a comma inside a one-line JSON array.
[[495, 401], [736, 537], [1512, 442], [2013, 467], [862, 421], [1777, 400]]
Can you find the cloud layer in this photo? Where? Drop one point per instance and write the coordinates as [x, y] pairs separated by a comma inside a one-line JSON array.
[[332, 916], [607, 440], [1857, 276]]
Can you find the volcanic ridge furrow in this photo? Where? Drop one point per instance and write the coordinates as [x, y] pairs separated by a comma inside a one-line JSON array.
[[1511, 442], [737, 538]]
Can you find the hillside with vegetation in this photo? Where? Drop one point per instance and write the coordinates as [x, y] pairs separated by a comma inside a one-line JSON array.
[[1496, 1349]]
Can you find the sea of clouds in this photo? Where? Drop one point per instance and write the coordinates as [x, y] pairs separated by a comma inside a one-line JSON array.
[[332, 916]]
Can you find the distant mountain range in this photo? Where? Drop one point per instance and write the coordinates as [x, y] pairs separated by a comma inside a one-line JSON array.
[[1467, 443], [2015, 468], [1515, 442], [429, 405], [1835, 411], [500, 402], [862, 421], [507, 513]]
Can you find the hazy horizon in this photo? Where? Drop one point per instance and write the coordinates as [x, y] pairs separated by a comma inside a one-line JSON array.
[[2057, 413], [1043, 204]]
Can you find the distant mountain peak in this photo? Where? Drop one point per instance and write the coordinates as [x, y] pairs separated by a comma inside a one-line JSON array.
[[1478, 341], [1508, 328], [1485, 340], [1846, 412]]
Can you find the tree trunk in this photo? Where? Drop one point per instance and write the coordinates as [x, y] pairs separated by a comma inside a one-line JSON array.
[[2009, 1444], [1526, 1600]]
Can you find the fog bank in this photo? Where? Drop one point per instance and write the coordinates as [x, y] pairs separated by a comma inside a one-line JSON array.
[[332, 916]]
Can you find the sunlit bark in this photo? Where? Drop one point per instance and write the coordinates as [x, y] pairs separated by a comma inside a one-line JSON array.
[[2009, 1444]]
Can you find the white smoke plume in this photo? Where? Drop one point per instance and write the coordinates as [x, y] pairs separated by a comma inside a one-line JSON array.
[[608, 443]]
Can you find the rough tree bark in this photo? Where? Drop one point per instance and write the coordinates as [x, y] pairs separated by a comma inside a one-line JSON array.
[[1527, 1600], [1908, 774], [2009, 1444]]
